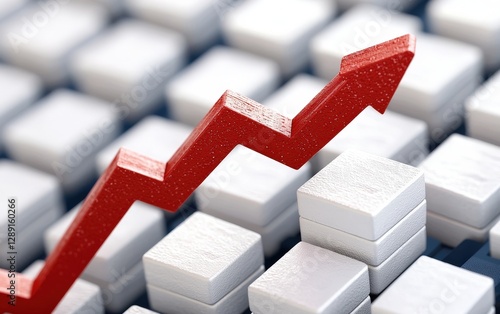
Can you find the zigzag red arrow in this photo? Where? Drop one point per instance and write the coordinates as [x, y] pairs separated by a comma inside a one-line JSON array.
[[367, 78]]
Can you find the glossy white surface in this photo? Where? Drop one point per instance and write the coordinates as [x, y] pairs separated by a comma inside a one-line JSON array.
[[129, 66], [198, 87], [361, 194], [462, 179], [366, 251], [309, 279], [204, 258], [430, 284], [495, 240]]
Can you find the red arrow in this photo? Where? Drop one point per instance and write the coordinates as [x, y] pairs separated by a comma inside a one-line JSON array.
[[367, 78]]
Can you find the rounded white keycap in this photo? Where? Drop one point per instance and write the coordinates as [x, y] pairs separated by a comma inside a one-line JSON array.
[[129, 65], [250, 187], [495, 240], [192, 93], [36, 204], [8, 7], [42, 36], [309, 279], [141, 227], [19, 90], [263, 27], [366, 251], [432, 286], [483, 111], [462, 178], [204, 258], [197, 20], [134, 309], [438, 98], [474, 22], [357, 29], [61, 135], [372, 191], [153, 136], [82, 297]]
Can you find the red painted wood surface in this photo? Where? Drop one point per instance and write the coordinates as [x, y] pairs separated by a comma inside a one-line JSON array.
[[367, 78]]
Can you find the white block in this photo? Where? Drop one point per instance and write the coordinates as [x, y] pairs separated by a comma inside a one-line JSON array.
[[471, 22], [129, 65], [82, 297], [19, 90], [140, 228], [236, 301], [451, 232], [42, 36], [366, 251], [495, 240], [389, 5], [483, 112], [134, 309], [309, 279], [196, 89], [374, 192], [7, 7], [357, 29], [430, 285], [438, 99], [364, 307], [62, 134], [281, 35], [462, 179], [285, 225], [197, 20], [153, 136], [382, 275], [204, 258], [250, 187], [390, 135]]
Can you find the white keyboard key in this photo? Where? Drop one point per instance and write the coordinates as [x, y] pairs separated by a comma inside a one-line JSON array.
[[204, 258], [495, 240], [153, 136], [369, 252], [261, 187], [285, 225], [474, 22], [357, 29], [62, 134], [140, 228], [236, 301], [82, 297], [483, 112], [134, 309], [264, 28], [195, 90], [390, 135], [432, 286], [197, 20], [451, 232], [42, 38], [374, 192], [382, 275], [129, 65], [38, 204], [7, 7], [19, 90], [364, 307], [438, 99], [462, 179], [309, 279], [388, 5]]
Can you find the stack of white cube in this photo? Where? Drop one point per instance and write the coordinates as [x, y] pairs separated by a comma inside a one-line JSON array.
[[205, 265], [369, 208]]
